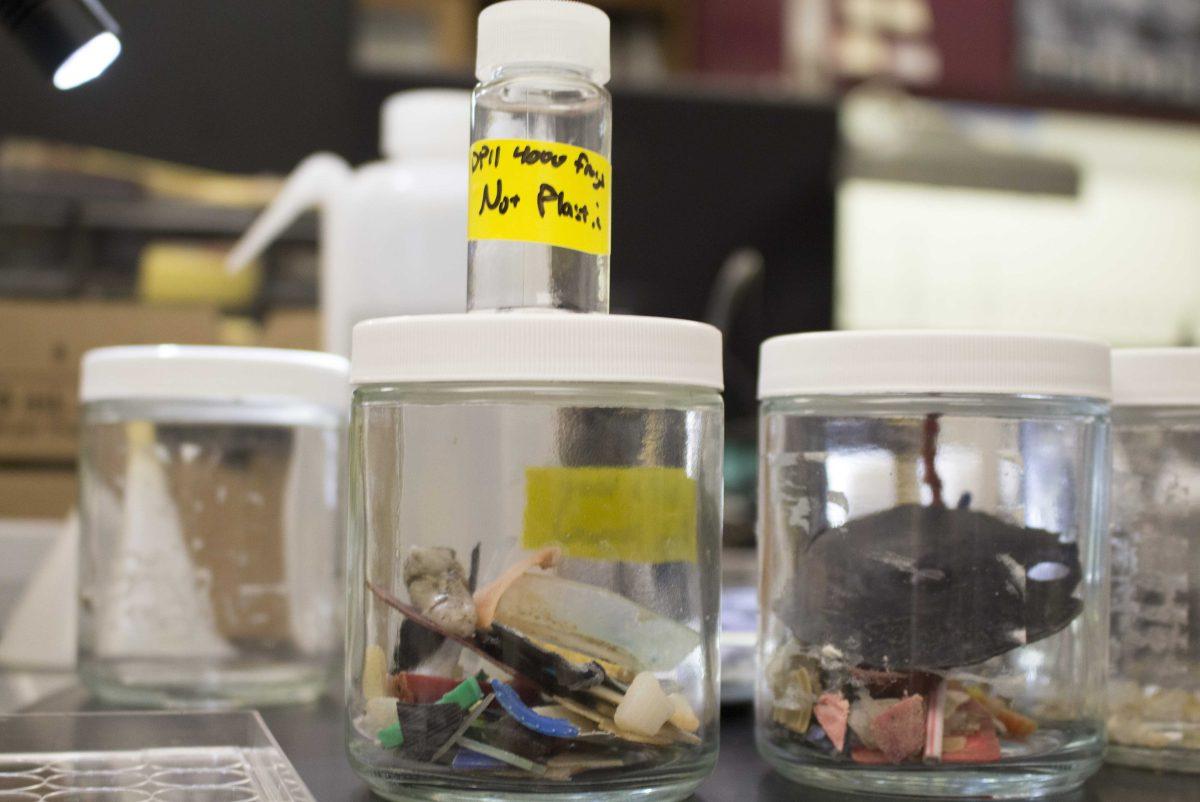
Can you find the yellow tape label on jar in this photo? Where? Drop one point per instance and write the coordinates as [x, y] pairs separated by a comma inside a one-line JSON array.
[[645, 514], [547, 192]]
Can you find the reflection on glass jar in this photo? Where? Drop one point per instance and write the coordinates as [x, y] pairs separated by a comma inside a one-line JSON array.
[[535, 527], [1154, 687], [211, 504], [932, 562]]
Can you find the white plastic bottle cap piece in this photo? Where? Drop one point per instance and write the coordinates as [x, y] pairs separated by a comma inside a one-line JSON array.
[[532, 347], [973, 362], [1153, 377], [426, 123], [554, 32], [213, 373]]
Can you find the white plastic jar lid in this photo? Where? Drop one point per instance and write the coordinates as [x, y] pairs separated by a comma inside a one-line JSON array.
[[553, 32], [1152, 377], [536, 347], [213, 373], [884, 362]]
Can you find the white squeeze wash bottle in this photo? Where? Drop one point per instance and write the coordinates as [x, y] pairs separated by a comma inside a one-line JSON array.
[[392, 233]]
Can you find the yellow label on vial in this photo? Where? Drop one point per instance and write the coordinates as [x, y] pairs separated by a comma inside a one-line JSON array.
[[635, 514], [528, 191]]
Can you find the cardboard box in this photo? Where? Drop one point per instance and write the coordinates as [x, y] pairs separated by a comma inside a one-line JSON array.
[[37, 492], [41, 343], [293, 328]]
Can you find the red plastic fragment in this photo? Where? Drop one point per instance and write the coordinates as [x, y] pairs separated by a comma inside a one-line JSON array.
[[832, 710], [870, 757], [982, 747], [422, 689]]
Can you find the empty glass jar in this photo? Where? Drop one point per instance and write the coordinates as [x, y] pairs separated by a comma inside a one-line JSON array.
[[1154, 687], [932, 561], [534, 578], [211, 518]]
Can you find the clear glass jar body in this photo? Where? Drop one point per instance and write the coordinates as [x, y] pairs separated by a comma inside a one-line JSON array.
[[544, 104], [210, 552], [933, 632], [1154, 687], [500, 471]]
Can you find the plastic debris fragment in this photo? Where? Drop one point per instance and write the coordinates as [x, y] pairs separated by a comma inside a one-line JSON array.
[[426, 728], [794, 701], [421, 688], [380, 713], [503, 756], [391, 736], [374, 678], [470, 760], [832, 712], [473, 714], [982, 747], [437, 585], [684, 717], [465, 694], [547, 669], [595, 621], [935, 725], [543, 725], [645, 707], [1015, 725], [488, 597], [852, 593], [899, 731]]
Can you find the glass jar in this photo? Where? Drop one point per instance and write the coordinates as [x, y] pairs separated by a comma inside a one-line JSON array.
[[210, 504], [1154, 684], [535, 537], [932, 561]]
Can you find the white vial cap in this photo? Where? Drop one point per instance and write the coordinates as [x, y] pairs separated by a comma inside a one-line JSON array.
[[1156, 377], [213, 373], [944, 362], [555, 32], [427, 123], [536, 347]]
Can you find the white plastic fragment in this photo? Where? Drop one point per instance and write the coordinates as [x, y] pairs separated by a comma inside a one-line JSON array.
[[683, 717], [381, 713], [645, 708]]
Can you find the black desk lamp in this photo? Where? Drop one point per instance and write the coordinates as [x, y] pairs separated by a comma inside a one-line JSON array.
[[73, 41]]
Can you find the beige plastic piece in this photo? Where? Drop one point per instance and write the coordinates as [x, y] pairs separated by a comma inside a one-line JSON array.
[[645, 708]]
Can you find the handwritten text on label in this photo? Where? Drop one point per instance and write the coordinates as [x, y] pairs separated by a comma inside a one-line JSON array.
[[543, 192]]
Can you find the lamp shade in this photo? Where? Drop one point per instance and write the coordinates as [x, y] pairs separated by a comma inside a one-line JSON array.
[[73, 41]]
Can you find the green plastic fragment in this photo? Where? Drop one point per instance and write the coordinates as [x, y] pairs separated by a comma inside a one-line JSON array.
[[465, 694], [391, 737]]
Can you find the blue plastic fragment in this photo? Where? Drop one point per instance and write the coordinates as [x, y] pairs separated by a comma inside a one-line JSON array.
[[543, 725], [473, 761]]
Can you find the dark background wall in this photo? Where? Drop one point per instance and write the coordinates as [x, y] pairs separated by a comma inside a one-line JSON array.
[[256, 85]]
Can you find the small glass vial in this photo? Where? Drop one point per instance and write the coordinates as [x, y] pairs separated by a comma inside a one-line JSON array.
[[1154, 685], [534, 547], [210, 509], [932, 561], [540, 212]]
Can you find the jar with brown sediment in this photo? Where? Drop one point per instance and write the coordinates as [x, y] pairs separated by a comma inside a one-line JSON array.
[[1154, 684], [932, 561], [535, 525], [211, 524]]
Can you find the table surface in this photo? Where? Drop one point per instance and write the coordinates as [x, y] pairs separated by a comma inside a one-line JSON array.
[[312, 737]]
